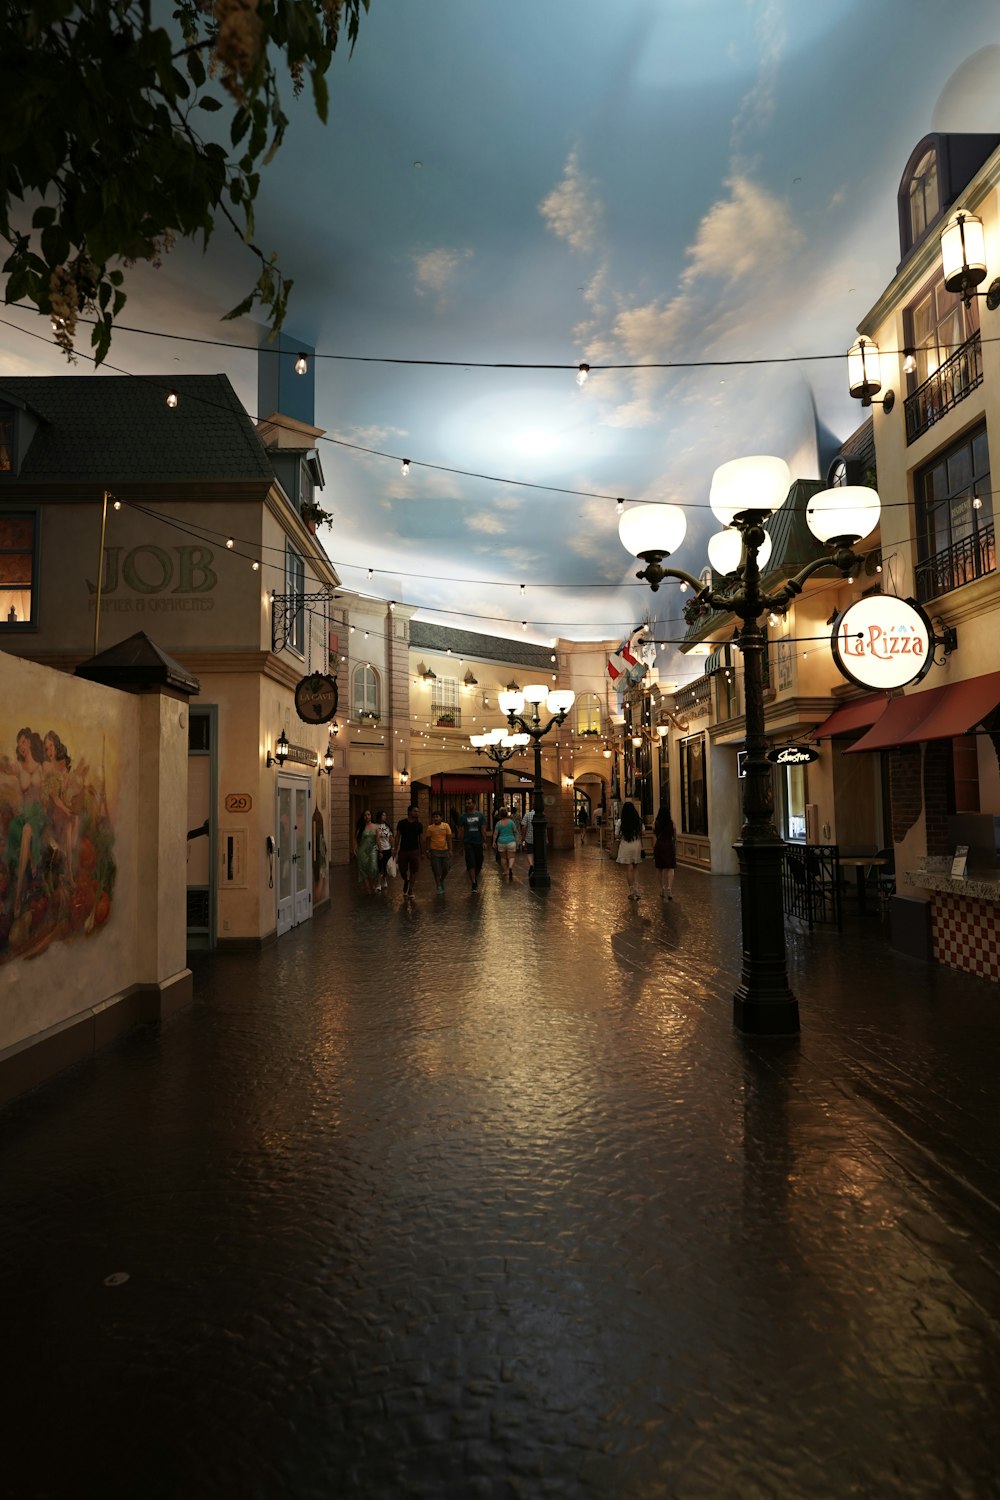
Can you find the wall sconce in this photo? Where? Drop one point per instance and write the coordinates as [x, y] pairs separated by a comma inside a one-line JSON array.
[[963, 259], [470, 680], [864, 375], [404, 776], [425, 672], [328, 758], [280, 752], [513, 687], [335, 728]]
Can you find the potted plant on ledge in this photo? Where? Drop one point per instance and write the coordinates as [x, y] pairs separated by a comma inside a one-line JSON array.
[[314, 515], [446, 719]]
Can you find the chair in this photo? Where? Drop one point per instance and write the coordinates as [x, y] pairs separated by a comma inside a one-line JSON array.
[[881, 879]]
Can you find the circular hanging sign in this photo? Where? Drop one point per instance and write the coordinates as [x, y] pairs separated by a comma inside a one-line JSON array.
[[883, 642], [316, 698], [793, 755]]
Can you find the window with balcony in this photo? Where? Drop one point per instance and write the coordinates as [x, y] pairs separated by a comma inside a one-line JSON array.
[[944, 336], [588, 714], [955, 531], [17, 570], [365, 695], [694, 793], [445, 712]]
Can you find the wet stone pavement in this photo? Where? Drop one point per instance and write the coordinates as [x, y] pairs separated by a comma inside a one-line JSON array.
[[481, 1196]]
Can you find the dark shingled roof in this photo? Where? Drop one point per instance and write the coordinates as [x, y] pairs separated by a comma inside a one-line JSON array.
[[118, 430], [138, 664], [427, 637]]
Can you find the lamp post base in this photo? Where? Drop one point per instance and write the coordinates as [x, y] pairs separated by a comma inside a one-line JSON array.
[[763, 1004], [539, 879]]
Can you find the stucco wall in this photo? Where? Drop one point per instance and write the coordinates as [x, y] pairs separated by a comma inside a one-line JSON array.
[[92, 875]]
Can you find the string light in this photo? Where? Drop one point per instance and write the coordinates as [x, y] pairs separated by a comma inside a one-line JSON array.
[[524, 624], [582, 374], [371, 574], [405, 466], [172, 399], [620, 505], [255, 566], [301, 365], [117, 505], [230, 543], [977, 504]]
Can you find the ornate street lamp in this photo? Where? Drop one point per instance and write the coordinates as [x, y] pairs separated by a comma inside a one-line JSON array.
[[499, 746], [744, 493], [558, 704]]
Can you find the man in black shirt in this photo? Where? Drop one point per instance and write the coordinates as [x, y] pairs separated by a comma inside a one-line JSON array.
[[409, 842]]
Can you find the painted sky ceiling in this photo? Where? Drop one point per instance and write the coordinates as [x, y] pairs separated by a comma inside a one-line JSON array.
[[654, 181]]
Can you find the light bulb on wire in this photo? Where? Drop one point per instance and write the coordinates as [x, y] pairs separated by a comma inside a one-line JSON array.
[[301, 365], [582, 374], [405, 466]]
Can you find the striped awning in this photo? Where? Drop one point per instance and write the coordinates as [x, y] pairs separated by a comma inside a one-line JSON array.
[[719, 661]]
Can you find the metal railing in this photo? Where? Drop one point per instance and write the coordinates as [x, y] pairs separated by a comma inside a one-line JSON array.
[[950, 384], [972, 557], [810, 884]]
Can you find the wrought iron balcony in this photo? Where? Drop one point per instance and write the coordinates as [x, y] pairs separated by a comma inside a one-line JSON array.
[[973, 557], [950, 384]]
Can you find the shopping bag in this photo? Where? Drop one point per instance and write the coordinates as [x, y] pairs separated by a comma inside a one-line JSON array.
[[391, 867]]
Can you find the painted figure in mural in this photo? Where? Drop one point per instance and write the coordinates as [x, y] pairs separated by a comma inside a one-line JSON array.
[[24, 836], [62, 793], [57, 867]]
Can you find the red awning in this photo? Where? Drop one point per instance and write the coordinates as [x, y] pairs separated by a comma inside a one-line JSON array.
[[940, 713], [860, 713], [448, 781]]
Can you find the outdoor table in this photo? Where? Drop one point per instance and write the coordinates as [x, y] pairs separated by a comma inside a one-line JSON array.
[[861, 864]]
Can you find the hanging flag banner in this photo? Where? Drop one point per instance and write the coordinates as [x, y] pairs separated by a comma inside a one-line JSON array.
[[883, 642]]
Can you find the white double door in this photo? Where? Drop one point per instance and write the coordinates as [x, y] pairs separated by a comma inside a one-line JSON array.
[[293, 852]]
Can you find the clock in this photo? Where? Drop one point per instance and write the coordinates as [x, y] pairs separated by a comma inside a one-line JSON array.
[[316, 698]]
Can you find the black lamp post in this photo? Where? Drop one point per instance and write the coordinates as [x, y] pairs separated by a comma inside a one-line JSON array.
[[559, 704], [744, 494], [496, 745]]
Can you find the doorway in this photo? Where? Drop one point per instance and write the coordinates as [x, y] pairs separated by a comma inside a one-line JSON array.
[[293, 839]]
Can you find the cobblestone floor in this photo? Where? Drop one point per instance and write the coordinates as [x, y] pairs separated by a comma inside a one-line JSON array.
[[480, 1196]]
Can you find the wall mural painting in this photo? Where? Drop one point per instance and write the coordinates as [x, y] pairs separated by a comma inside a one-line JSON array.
[[57, 867]]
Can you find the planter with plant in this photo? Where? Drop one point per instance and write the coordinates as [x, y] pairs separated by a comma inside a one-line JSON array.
[[314, 515]]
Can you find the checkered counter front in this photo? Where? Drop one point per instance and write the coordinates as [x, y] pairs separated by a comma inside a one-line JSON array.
[[966, 935]]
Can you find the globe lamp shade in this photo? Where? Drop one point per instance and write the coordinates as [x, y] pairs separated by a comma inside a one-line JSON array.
[[494, 736], [510, 703], [758, 484], [514, 741], [535, 692], [963, 252], [561, 701], [652, 528], [479, 741], [848, 512]]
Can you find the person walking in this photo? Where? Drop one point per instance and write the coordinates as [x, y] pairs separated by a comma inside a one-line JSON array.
[[472, 826], [528, 837], [630, 848], [383, 840], [439, 849], [366, 849], [505, 843], [665, 852], [409, 841]]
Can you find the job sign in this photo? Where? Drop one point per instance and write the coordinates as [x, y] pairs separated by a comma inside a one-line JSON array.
[[882, 642]]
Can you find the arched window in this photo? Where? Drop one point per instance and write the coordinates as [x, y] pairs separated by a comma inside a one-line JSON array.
[[588, 714], [365, 697], [925, 200]]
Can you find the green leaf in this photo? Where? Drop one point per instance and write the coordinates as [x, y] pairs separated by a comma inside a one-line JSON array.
[[209, 103]]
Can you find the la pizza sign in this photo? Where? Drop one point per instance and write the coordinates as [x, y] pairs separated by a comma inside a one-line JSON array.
[[882, 642]]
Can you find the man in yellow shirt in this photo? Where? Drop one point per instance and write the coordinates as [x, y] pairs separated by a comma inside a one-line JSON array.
[[439, 849]]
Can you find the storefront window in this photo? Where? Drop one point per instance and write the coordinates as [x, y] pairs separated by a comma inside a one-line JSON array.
[[795, 804], [694, 794]]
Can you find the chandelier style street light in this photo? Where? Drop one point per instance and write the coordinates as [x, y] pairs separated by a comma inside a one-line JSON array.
[[499, 746], [745, 492], [558, 703]]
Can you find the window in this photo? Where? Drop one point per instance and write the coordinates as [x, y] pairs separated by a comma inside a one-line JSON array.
[[955, 532], [938, 324], [588, 714], [694, 799], [295, 587], [924, 199], [17, 570], [365, 693], [6, 439], [795, 804], [444, 702]]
